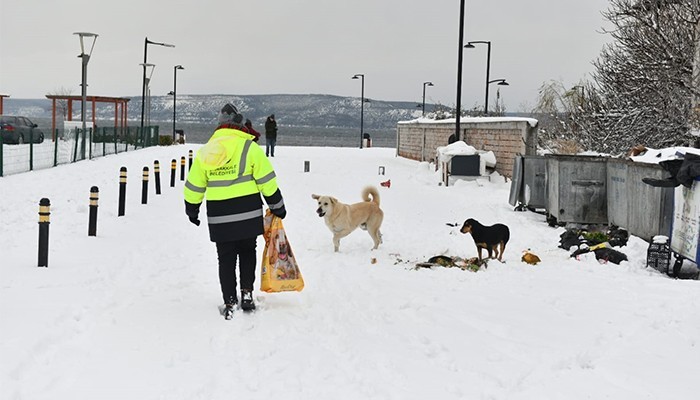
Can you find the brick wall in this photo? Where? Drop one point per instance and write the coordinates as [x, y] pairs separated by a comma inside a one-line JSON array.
[[505, 136]]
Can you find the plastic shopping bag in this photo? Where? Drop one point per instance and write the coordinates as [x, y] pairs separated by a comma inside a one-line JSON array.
[[280, 272]]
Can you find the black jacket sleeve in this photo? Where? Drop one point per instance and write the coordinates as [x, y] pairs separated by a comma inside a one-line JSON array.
[[276, 204]]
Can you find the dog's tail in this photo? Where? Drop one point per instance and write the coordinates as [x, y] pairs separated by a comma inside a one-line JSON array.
[[370, 190]]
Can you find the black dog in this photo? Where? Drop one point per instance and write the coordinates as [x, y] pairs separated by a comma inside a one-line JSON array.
[[492, 238]]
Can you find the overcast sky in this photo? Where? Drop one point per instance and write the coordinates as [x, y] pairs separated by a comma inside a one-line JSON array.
[[300, 47]]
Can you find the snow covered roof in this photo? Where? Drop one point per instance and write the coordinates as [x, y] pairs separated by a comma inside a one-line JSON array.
[[473, 120]]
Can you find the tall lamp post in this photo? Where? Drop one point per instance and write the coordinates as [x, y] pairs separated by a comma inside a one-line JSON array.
[[147, 91], [499, 82], [145, 62], [362, 105], [85, 59], [459, 68], [175, 95], [424, 85], [470, 45]]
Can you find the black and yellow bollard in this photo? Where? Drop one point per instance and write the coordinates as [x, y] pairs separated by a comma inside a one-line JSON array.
[[189, 166], [122, 191], [144, 188], [92, 221], [173, 167], [182, 168], [156, 172], [44, 216]]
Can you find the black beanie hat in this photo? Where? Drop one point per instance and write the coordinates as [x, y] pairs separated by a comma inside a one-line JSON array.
[[229, 114]]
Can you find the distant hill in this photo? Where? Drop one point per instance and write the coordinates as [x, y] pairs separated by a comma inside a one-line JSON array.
[[302, 110]]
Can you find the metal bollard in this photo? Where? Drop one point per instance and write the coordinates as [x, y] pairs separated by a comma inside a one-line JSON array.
[[122, 191], [307, 166], [156, 172], [381, 170], [173, 167], [144, 187], [182, 168], [92, 220], [189, 166], [44, 216]]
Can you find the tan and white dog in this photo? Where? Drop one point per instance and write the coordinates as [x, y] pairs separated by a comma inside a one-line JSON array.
[[342, 218]]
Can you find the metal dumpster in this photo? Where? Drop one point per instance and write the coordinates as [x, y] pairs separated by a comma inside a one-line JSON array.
[[576, 189], [516, 183], [643, 210], [528, 185]]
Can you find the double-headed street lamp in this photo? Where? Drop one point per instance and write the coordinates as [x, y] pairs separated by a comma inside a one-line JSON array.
[[85, 58], [362, 105], [502, 82], [424, 85], [175, 95], [145, 62]]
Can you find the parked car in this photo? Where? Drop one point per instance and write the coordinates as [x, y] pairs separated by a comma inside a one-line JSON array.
[[18, 130]]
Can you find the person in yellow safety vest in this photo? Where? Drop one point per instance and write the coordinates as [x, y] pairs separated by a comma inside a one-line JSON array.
[[231, 172]]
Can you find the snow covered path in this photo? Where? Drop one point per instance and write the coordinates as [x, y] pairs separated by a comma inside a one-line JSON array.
[[133, 312]]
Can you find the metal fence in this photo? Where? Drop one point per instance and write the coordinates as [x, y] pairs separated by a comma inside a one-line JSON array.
[[73, 145]]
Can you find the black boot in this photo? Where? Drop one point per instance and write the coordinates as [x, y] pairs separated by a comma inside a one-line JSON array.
[[227, 309], [247, 303]]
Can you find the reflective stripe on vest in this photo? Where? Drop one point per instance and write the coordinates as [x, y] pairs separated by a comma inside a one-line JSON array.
[[277, 205], [194, 188], [223, 219]]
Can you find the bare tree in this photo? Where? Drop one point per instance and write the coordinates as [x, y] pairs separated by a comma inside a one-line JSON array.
[[644, 79], [557, 112], [643, 87], [62, 104]]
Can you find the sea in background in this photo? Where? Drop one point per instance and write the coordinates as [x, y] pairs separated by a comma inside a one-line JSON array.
[[286, 135]]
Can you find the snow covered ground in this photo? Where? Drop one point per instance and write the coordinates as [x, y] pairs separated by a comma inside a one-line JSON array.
[[132, 313]]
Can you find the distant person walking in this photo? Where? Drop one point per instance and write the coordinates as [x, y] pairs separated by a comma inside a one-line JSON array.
[[270, 135], [231, 173]]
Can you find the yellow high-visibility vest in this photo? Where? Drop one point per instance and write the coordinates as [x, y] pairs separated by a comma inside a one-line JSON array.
[[230, 165]]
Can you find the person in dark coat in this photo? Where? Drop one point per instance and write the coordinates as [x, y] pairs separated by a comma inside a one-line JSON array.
[[270, 135]]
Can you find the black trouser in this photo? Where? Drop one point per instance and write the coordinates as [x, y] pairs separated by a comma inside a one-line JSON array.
[[244, 251]]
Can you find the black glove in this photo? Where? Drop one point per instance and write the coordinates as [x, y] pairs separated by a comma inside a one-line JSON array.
[[192, 211], [279, 212]]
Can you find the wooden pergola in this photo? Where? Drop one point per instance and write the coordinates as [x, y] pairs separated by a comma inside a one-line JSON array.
[[120, 108]]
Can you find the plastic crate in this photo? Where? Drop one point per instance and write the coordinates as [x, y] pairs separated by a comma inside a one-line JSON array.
[[659, 255]]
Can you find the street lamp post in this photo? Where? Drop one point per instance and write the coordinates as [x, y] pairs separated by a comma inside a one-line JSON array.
[[145, 62], [362, 105], [175, 95], [459, 68], [85, 59], [470, 45], [501, 82], [424, 85], [147, 100]]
